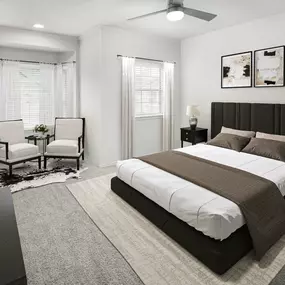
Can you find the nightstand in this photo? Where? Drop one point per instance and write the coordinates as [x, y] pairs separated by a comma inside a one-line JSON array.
[[194, 136]]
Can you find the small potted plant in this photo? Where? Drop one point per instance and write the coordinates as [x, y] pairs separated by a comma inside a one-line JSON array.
[[43, 129]]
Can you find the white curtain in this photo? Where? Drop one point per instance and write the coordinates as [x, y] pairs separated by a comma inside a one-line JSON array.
[[59, 89], [46, 98], [128, 95], [10, 94], [168, 107], [70, 97], [66, 99]]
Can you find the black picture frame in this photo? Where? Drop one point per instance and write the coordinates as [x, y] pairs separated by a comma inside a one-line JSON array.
[[255, 67], [251, 72]]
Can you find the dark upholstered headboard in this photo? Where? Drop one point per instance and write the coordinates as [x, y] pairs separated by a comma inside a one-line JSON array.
[[266, 118]]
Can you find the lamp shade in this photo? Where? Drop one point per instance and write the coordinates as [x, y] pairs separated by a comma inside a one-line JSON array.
[[195, 110], [192, 110]]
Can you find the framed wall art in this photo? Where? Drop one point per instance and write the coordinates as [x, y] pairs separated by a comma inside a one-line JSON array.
[[237, 70], [269, 67]]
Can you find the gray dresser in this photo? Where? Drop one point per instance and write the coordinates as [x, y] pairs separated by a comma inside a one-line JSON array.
[[12, 268]]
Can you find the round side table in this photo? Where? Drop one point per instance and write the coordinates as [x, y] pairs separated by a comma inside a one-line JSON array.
[[38, 138]]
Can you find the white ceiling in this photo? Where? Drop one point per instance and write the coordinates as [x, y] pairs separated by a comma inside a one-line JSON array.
[[74, 17]]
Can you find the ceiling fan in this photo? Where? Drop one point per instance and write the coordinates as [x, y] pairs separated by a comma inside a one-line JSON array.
[[176, 12]]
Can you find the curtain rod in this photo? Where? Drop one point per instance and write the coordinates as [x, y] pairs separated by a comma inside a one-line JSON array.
[[144, 58], [28, 61]]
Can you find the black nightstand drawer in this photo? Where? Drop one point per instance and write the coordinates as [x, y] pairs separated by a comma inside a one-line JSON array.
[[193, 136], [185, 135]]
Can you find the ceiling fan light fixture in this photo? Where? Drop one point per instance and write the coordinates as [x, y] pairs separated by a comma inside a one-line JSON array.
[[38, 26], [175, 14]]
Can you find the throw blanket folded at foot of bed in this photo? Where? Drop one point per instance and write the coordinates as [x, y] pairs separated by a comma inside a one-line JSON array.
[[259, 199]]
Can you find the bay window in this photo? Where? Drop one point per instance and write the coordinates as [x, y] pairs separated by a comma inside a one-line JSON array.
[[36, 92]]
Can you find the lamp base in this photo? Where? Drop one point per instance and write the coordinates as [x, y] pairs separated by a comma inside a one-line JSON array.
[[193, 122]]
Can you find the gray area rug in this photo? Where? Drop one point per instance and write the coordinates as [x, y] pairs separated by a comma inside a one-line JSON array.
[[61, 244], [280, 278], [154, 256]]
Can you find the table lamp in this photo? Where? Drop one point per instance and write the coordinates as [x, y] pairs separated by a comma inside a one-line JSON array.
[[192, 111]]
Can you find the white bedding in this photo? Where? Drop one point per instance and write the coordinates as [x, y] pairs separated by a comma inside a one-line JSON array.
[[202, 209]]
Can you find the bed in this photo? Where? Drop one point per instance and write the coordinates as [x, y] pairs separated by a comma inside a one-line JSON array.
[[209, 226]]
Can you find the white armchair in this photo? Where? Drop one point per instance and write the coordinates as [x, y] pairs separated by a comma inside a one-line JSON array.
[[13, 148], [68, 140]]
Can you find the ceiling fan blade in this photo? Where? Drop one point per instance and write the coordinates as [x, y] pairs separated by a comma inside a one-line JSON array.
[[200, 14], [150, 14]]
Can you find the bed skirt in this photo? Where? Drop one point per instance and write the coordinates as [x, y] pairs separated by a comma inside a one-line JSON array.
[[219, 256]]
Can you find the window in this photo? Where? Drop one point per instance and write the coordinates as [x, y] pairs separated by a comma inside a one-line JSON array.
[[36, 92], [148, 88], [32, 90]]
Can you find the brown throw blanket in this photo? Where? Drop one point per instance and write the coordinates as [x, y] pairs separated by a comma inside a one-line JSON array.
[[258, 198]]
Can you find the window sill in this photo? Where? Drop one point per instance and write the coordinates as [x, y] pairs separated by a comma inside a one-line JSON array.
[[149, 117]]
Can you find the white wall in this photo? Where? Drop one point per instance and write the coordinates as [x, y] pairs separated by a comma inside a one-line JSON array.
[[147, 135], [90, 91], [67, 56], [101, 89], [118, 41], [36, 55], [29, 55], [201, 65], [13, 37]]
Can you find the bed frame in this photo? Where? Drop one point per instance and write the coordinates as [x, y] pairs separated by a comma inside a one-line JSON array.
[[265, 118], [219, 256]]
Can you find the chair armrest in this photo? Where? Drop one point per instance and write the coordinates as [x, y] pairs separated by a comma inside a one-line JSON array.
[[79, 143], [49, 137], [7, 149]]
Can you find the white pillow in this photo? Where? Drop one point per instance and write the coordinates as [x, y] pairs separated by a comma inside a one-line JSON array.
[[270, 137], [246, 134]]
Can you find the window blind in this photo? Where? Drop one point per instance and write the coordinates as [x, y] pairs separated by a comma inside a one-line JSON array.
[[35, 93], [148, 88], [35, 86]]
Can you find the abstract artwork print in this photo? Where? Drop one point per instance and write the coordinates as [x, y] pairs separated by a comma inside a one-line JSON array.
[[269, 67], [237, 70]]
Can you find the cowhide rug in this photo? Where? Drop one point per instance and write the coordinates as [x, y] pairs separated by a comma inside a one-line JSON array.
[[27, 175]]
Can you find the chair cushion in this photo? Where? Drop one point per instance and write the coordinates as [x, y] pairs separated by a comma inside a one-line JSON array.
[[68, 129], [19, 151], [12, 132], [63, 147]]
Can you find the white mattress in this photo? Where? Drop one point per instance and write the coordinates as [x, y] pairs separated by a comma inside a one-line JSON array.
[[202, 209]]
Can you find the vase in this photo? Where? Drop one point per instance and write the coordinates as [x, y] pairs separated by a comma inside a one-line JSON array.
[[193, 121]]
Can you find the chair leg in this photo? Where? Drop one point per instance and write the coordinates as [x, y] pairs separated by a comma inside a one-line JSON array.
[[10, 170], [83, 156], [78, 163], [45, 163], [40, 162]]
